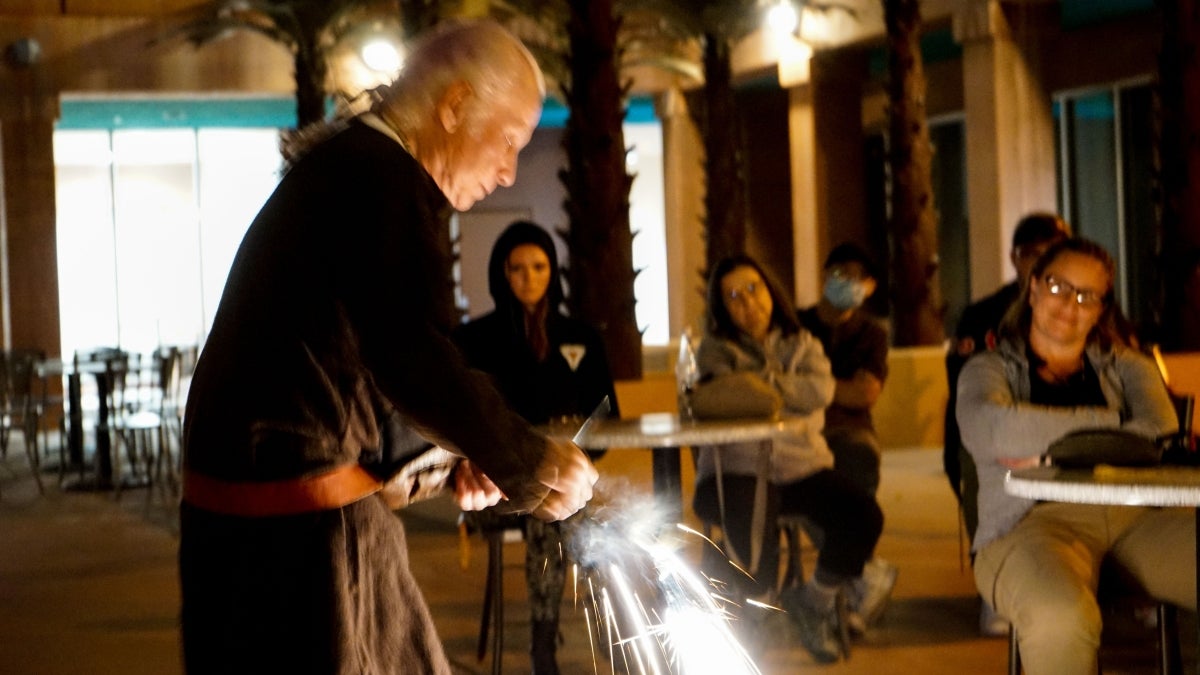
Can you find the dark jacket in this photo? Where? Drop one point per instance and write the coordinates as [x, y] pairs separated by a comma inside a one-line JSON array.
[[572, 379], [328, 324], [327, 318], [858, 343]]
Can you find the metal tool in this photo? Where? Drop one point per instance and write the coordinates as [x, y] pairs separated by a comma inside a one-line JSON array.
[[602, 411]]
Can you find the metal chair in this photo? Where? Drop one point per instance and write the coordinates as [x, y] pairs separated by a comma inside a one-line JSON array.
[[19, 406], [147, 421], [495, 528]]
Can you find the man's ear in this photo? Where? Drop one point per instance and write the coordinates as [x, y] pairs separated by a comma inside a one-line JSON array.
[[452, 106]]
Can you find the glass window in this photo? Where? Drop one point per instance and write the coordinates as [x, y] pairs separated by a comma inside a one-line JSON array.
[[87, 282], [1105, 174], [148, 222], [647, 219]]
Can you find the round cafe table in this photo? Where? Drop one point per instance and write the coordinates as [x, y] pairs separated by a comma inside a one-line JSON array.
[[1130, 486], [665, 434]]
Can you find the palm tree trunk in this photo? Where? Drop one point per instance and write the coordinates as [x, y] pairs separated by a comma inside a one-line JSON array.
[[916, 289], [1179, 173], [725, 189], [600, 273], [310, 86]]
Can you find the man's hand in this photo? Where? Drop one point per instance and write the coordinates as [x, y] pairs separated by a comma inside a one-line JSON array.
[[1020, 463], [860, 391], [474, 491], [570, 475]]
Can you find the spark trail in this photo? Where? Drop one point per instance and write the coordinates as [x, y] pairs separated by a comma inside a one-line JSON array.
[[643, 602]]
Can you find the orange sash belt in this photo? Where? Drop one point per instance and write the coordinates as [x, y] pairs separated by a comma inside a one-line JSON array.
[[331, 490]]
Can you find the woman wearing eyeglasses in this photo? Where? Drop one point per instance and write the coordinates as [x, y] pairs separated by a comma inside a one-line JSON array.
[[1065, 363], [757, 359]]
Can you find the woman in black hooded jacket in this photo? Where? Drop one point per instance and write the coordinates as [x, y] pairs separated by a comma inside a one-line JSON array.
[[550, 367]]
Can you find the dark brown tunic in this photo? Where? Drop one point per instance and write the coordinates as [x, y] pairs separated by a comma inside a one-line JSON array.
[[327, 318]]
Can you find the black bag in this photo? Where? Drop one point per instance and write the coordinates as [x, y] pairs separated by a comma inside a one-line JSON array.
[[1085, 448]]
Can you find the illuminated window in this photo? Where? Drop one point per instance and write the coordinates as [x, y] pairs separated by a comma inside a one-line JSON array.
[[148, 221]]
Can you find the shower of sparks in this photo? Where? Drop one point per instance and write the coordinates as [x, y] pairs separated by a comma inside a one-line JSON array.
[[643, 602]]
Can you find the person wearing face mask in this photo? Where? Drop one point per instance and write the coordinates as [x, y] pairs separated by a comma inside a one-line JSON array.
[[857, 346]]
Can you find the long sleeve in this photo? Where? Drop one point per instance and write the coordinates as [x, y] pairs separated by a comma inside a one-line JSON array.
[[996, 423], [806, 381], [997, 420], [327, 318]]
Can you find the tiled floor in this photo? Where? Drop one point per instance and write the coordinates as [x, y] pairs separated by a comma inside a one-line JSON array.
[[88, 585]]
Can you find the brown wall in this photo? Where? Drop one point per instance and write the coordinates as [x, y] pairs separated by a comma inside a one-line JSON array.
[[764, 117], [82, 54]]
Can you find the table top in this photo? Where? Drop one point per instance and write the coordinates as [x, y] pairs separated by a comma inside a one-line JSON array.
[[1145, 486], [664, 430], [51, 367]]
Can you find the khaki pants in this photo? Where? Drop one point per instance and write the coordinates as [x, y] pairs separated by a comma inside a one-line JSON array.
[[1043, 574]]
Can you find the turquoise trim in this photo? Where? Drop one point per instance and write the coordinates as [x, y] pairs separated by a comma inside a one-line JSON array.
[[638, 110], [155, 113], [274, 112]]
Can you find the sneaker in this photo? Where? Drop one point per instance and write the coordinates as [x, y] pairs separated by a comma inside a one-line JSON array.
[[818, 627], [991, 624], [869, 594]]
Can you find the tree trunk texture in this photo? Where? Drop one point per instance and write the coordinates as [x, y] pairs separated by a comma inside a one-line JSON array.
[[310, 86], [600, 272], [917, 299], [725, 205], [714, 110], [1179, 173]]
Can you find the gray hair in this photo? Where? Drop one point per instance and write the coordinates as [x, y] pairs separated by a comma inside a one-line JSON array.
[[480, 52]]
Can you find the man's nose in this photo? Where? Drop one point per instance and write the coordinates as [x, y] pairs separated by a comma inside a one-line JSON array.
[[508, 173]]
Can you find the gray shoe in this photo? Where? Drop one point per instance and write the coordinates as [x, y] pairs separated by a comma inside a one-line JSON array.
[[869, 594], [818, 628]]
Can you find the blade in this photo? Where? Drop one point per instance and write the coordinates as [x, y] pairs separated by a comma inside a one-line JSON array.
[[602, 410]]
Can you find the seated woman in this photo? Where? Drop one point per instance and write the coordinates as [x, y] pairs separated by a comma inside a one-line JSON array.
[[1064, 364], [548, 366], [756, 351]]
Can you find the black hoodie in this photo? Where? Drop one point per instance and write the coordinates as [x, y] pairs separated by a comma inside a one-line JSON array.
[[574, 376]]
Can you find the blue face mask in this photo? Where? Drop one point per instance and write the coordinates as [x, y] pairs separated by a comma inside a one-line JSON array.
[[844, 293]]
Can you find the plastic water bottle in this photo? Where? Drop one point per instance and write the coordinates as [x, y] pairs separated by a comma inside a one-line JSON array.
[[686, 373]]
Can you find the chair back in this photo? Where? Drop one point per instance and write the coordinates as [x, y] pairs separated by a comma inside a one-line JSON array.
[[168, 368], [18, 378], [115, 362], [1180, 447]]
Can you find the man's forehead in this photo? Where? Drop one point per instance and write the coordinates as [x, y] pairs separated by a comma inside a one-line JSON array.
[[852, 267]]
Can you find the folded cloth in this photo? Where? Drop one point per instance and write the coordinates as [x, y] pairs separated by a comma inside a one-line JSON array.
[[736, 395], [1085, 448]]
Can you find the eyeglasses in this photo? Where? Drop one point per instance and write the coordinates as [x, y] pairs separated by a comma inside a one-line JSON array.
[[1065, 291], [744, 293]]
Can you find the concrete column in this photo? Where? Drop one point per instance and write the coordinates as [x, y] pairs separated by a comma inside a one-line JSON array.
[[838, 79], [1009, 136], [683, 194], [807, 233]]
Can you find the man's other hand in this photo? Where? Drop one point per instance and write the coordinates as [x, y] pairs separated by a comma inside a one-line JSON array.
[[570, 475], [474, 491]]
